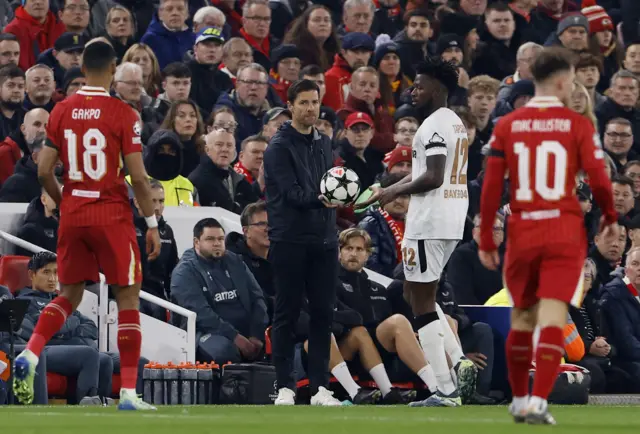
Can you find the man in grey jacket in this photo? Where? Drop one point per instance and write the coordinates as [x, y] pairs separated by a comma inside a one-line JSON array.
[[220, 289]]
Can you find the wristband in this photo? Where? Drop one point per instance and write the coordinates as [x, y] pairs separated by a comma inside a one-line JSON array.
[[151, 222]]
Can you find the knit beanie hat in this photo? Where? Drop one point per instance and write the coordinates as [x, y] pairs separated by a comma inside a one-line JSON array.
[[384, 46], [599, 20]]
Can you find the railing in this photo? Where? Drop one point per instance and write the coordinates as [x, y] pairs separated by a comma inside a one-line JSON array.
[[103, 304]]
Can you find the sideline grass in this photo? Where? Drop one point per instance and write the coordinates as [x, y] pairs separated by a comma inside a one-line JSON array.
[[308, 420]]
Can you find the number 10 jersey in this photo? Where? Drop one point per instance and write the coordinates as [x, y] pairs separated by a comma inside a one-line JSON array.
[[93, 132], [440, 214]]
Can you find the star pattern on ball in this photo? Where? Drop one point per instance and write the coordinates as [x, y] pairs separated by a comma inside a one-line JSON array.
[[340, 185]]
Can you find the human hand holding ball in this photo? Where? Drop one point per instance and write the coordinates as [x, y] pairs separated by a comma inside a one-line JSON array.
[[340, 186]]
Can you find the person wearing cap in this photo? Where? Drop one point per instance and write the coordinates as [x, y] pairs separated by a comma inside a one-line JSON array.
[[393, 83], [591, 221], [65, 54], [37, 28], [496, 56], [273, 119], [74, 79], [450, 49], [545, 17], [572, 33], [256, 20], [326, 123], [413, 40], [601, 25], [168, 34], [354, 151], [356, 51], [285, 61], [207, 81], [519, 94], [634, 232], [363, 97]]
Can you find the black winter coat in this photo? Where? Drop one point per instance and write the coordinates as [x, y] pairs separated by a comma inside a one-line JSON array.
[[23, 185], [38, 229]]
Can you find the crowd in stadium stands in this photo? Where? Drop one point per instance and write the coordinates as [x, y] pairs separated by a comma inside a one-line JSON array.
[[209, 81]]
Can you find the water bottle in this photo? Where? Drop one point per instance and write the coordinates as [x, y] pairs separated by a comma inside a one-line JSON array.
[[205, 384], [171, 381], [188, 380]]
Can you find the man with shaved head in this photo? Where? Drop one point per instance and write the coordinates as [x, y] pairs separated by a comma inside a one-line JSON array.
[[19, 143]]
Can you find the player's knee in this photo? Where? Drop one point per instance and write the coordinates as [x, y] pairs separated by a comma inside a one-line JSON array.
[[552, 313], [359, 333], [128, 297], [523, 319]]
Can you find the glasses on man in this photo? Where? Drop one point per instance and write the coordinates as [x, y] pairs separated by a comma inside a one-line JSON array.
[[229, 127], [260, 19], [257, 83], [621, 136], [260, 224]]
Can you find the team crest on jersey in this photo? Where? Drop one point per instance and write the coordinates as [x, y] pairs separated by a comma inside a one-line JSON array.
[[137, 128]]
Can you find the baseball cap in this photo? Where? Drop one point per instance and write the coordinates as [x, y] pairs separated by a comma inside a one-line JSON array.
[[273, 113], [69, 42], [358, 41], [583, 191], [398, 155], [327, 114], [358, 118], [447, 41], [575, 20], [210, 33]]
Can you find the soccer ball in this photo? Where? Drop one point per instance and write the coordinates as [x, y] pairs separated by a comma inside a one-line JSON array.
[[341, 186]]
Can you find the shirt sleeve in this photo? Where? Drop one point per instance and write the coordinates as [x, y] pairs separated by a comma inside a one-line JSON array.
[[131, 130], [435, 144]]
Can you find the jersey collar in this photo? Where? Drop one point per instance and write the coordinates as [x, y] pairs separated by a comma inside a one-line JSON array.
[[93, 91], [544, 102]]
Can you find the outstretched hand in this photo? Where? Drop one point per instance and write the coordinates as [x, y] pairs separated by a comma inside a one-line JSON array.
[[326, 202], [381, 195]]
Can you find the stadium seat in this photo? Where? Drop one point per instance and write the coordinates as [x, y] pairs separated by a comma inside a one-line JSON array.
[[13, 272]]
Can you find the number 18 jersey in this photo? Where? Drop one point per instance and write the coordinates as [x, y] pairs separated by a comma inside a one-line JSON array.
[[440, 213], [93, 132]]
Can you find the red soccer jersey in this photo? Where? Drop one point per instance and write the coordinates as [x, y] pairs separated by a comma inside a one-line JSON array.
[[542, 147], [93, 132]]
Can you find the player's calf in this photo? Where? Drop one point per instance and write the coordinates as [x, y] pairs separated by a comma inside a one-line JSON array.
[[129, 335], [519, 351]]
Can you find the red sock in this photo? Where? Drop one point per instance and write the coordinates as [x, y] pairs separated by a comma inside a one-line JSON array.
[[129, 342], [548, 356], [50, 322], [519, 354]]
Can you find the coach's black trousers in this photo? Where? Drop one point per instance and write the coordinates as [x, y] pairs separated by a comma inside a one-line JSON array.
[[303, 270]]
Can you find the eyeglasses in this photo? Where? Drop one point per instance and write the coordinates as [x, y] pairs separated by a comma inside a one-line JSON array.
[[229, 127], [256, 83], [260, 19], [260, 224], [619, 135]]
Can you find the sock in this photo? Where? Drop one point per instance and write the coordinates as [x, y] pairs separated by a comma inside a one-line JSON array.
[[548, 356], [379, 375], [342, 374], [129, 342], [519, 350], [451, 345], [537, 404], [431, 338], [520, 403], [50, 322], [427, 375]]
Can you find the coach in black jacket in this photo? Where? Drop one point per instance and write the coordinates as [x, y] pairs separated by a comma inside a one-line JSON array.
[[303, 251]]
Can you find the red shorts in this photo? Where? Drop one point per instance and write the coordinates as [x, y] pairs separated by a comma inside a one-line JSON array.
[[85, 251], [552, 270]]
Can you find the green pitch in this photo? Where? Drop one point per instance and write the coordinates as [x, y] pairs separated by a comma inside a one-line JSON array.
[[308, 420]]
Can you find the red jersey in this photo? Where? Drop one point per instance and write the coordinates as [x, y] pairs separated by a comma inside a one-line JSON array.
[[542, 147], [93, 132]]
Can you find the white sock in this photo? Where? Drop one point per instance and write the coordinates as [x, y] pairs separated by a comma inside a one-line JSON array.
[[379, 375], [31, 357], [426, 374], [342, 374], [128, 391], [537, 404], [520, 403], [432, 342], [451, 345]]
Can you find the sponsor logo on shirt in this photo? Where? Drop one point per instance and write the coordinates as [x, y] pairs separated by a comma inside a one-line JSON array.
[[226, 296]]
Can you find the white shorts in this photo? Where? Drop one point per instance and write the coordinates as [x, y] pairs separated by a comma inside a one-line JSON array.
[[424, 260]]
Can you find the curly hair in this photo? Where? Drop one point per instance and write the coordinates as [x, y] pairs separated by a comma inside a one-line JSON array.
[[445, 72]]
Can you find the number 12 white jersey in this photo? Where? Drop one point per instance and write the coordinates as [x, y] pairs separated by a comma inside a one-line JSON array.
[[440, 214]]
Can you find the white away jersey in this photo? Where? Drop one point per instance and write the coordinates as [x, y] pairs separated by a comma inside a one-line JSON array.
[[440, 214]]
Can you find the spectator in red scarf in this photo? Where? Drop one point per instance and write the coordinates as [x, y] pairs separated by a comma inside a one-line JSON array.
[[357, 16], [256, 18], [286, 68], [250, 158], [37, 28], [236, 54]]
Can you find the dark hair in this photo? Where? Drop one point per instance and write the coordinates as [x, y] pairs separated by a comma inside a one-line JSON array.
[[424, 13], [169, 122], [630, 164], [251, 210], [41, 260], [310, 70], [622, 180], [390, 179], [176, 69], [9, 71], [209, 222], [310, 52], [301, 86], [551, 61], [154, 184], [586, 59], [498, 7], [445, 72], [98, 56], [8, 37], [619, 121]]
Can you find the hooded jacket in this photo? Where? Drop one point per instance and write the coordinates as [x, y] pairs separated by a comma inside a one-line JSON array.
[[337, 80], [23, 185], [294, 164], [409, 51], [168, 46], [34, 37], [198, 284], [38, 229], [189, 156]]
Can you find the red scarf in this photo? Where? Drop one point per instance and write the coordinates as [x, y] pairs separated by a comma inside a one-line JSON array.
[[397, 229], [264, 47], [391, 12], [241, 170], [632, 289]]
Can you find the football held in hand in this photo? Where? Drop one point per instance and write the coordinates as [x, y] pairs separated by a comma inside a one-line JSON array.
[[341, 186]]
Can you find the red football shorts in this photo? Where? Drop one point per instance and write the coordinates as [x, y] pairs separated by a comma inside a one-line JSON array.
[[551, 270], [84, 252]]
